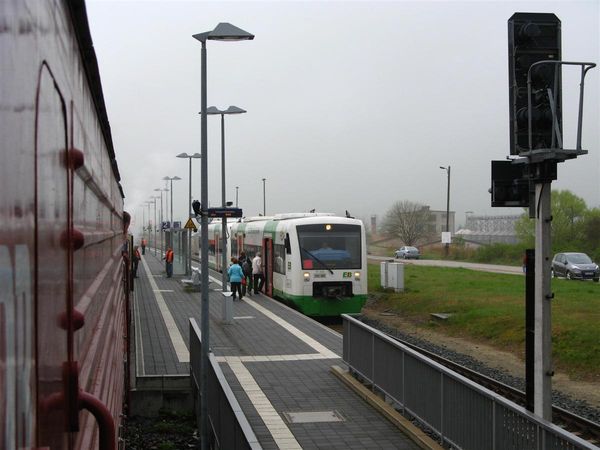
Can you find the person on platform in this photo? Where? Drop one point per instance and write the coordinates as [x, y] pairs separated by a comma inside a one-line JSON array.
[[257, 273], [169, 261], [136, 260], [143, 246], [246, 265], [236, 274]]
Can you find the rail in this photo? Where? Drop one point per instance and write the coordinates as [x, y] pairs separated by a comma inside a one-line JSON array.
[[460, 412], [229, 428]]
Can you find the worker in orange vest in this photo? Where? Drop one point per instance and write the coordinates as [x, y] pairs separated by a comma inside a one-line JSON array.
[[169, 261], [136, 260], [143, 246]]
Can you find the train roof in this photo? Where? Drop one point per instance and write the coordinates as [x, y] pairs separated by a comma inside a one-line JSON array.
[[287, 216], [81, 27]]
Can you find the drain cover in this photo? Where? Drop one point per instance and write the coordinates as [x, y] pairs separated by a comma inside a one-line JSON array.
[[313, 416]]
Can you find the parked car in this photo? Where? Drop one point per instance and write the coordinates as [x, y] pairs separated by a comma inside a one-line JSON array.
[[575, 266], [407, 253]]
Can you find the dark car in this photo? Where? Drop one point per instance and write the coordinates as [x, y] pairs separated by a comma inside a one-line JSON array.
[[575, 266], [407, 253]]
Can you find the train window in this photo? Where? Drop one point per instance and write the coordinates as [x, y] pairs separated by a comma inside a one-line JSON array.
[[279, 258], [335, 246]]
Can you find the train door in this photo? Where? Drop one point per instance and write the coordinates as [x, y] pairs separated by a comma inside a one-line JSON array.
[[268, 265], [53, 287]]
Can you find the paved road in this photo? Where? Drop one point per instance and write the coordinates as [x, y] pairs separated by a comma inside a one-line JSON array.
[[466, 265]]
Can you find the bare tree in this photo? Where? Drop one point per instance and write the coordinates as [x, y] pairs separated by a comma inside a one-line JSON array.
[[408, 221]]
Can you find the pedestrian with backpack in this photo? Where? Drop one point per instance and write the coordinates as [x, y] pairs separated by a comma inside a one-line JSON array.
[[246, 265]]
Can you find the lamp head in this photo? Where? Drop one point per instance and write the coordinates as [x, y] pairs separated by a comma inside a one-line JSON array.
[[224, 32], [183, 155], [211, 110], [234, 110]]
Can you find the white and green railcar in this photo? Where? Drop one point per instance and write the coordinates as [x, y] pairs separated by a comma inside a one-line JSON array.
[[313, 261]]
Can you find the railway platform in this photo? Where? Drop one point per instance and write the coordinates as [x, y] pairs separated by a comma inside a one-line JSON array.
[[277, 362]]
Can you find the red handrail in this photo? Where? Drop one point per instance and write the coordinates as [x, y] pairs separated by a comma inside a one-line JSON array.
[[106, 425]]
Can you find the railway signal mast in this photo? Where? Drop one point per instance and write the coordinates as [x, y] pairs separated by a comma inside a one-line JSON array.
[[536, 145]]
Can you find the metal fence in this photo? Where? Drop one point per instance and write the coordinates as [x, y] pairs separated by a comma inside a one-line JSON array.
[[463, 414], [229, 428]]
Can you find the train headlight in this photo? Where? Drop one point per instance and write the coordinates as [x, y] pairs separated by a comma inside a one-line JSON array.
[[357, 276], [306, 276]]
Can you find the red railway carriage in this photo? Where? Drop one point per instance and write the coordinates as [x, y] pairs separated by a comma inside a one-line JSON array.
[[63, 299]]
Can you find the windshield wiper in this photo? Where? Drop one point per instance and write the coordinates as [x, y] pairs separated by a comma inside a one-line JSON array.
[[316, 259]]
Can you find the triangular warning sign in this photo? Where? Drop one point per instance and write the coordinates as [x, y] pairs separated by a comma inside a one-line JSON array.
[[190, 224]]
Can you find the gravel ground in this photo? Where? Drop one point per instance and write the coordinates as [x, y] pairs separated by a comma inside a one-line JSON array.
[[576, 406], [168, 431]]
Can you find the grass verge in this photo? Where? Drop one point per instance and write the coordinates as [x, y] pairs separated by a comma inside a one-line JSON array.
[[490, 307]]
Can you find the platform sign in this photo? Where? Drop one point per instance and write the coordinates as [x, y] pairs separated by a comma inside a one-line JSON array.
[[176, 225], [224, 212], [166, 225], [191, 225]]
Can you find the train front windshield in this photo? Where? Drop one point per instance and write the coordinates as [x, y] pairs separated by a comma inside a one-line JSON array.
[[330, 246]]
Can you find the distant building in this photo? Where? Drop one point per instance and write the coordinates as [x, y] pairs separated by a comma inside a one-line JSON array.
[[489, 229], [437, 222], [374, 224]]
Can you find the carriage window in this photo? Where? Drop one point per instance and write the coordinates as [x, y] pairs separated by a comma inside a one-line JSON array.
[[279, 258], [331, 246]]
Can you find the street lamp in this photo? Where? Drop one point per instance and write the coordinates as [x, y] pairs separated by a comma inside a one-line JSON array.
[[171, 180], [143, 220], [154, 197], [447, 169], [161, 217], [213, 110], [188, 269], [148, 203], [237, 188], [264, 198], [222, 32]]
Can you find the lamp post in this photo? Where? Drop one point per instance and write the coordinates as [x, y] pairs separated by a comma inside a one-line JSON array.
[[161, 218], [447, 169], [154, 197], [148, 203], [237, 188], [188, 269], [213, 110], [166, 199], [222, 32], [171, 180], [143, 220], [264, 198]]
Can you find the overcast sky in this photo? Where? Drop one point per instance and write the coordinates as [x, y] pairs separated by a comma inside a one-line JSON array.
[[351, 105]]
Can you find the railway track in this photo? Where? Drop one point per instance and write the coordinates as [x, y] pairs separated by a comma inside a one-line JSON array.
[[580, 426]]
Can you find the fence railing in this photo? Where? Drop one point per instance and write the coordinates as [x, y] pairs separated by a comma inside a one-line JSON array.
[[462, 413], [229, 428]]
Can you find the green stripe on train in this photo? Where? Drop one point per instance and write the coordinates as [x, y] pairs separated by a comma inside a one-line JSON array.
[[311, 306]]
